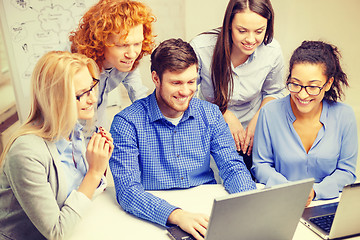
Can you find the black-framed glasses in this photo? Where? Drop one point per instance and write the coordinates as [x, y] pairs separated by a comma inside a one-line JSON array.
[[87, 93], [311, 90]]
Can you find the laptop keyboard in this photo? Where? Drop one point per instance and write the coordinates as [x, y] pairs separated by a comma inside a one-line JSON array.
[[324, 222]]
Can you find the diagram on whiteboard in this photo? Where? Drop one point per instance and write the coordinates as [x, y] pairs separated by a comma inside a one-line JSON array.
[[38, 26]]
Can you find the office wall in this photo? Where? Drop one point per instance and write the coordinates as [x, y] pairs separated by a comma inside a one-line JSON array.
[[32, 28], [333, 21], [330, 20]]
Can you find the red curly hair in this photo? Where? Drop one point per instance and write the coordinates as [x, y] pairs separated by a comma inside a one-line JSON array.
[[111, 17]]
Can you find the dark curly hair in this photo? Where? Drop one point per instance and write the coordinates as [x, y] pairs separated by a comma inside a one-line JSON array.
[[318, 52]]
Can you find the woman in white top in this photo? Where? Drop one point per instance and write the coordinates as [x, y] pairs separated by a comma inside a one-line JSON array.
[[44, 191], [241, 67]]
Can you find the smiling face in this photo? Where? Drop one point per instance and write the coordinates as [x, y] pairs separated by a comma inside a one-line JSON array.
[[307, 74], [247, 31], [124, 52], [175, 90], [83, 81]]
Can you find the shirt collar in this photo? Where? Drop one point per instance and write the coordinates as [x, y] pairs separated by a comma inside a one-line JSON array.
[[253, 55], [77, 131], [190, 112], [289, 110], [156, 114], [248, 61], [323, 116], [106, 72], [61, 145], [324, 113]]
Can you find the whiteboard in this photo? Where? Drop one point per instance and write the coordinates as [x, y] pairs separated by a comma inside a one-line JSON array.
[[30, 29], [34, 27]]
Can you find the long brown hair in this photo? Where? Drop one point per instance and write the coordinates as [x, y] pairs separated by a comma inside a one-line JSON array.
[[221, 73]]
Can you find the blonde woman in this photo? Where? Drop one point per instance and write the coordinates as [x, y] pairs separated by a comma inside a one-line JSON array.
[[47, 175]]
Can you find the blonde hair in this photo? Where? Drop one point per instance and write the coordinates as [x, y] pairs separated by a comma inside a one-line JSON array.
[[53, 112]]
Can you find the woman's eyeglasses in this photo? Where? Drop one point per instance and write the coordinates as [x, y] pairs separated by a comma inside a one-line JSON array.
[[87, 93], [311, 90]]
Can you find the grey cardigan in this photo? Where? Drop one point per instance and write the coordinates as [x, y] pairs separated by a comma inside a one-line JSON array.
[[33, 193]]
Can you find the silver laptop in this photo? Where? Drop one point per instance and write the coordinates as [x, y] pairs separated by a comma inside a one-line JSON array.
[[336, 220], [269, 213]]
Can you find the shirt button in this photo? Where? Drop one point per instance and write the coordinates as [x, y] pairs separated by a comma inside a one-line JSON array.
[[182, 178], [174, 131], [178, 155]]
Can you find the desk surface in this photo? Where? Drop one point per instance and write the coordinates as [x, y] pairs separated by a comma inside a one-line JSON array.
[[106, 219]]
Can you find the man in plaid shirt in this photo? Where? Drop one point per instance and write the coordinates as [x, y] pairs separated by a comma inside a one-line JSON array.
[[165, 141]]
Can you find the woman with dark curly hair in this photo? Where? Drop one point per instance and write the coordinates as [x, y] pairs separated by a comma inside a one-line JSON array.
[[116, 34], [309, 134]]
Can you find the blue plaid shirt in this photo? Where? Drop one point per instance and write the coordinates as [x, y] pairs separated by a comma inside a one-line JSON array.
[[153, 154]]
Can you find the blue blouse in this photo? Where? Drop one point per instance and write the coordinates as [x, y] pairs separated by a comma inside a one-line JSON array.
[[72, 159], [279, 155]]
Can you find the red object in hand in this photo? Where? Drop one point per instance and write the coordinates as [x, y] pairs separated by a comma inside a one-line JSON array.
[[103, 133]]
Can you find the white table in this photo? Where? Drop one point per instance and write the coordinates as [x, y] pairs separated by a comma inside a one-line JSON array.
[[106, 219]]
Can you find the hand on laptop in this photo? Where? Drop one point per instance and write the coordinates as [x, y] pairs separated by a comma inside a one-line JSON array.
[[193, 223], [311, 197]]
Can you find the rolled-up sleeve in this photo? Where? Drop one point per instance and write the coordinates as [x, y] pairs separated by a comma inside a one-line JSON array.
[[274, 82]]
